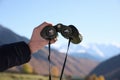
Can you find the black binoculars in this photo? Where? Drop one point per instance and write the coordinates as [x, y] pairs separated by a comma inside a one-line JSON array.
[[68, 32]]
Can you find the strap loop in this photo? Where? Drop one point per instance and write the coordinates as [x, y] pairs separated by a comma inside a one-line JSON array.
[[49, 48], [65, 60]]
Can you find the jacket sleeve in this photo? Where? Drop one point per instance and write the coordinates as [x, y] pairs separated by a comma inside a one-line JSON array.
[[14, 54]]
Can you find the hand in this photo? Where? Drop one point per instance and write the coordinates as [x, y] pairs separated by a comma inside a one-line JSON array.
[[36, 41]]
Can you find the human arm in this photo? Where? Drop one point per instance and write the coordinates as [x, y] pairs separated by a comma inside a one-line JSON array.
[[19, 53], [14, 54], [37, 42]]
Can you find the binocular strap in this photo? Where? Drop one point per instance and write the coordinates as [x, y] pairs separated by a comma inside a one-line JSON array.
[[63, 63], [49, 49], [65, 60]]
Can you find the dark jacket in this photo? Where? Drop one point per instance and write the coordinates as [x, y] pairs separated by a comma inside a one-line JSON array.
[[14, 54]]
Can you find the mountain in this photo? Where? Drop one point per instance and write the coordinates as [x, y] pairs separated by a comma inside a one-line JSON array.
[[8, 36], [39, 60], [109, 68], [74, 66], [99, 52], [85, 55]]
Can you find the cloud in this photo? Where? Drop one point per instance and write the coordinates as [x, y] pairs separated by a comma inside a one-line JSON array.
[[81, 51], [116, 44], [98, 51]]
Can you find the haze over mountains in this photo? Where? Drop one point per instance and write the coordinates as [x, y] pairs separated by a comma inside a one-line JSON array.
[[99, 52]]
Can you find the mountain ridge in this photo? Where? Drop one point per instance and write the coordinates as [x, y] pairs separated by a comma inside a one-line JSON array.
[[110, 68], [99, 52]]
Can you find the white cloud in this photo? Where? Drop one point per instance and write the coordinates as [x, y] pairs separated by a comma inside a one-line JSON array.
[[98, 51], [85, 46], [81, 51], [116, 44]]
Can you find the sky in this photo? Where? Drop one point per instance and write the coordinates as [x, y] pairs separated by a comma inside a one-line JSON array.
[[97, 20]]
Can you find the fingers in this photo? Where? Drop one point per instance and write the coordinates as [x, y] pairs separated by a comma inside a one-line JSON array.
[[38, 29], [36, 41], [53, 41], [41, 26], [44, 24]]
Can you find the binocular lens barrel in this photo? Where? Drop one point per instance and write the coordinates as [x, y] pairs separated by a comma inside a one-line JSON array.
[[68, 32]]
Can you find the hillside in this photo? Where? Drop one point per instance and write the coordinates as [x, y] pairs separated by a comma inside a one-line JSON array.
[[109, 68], [39, 62], [14, 76], [8, 36]]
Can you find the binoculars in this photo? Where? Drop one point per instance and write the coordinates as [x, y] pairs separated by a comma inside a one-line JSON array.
[[68, 32]]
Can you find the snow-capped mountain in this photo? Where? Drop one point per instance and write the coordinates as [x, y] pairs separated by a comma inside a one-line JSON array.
[[93, 51]]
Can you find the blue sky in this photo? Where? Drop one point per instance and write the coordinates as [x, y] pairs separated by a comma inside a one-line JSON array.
[[97, 20]]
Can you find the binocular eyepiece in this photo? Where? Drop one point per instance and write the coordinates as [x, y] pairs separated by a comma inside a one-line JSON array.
[[68, 32]]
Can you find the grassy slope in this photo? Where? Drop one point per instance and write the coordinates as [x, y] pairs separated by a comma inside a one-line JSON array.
[[14, 76]]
